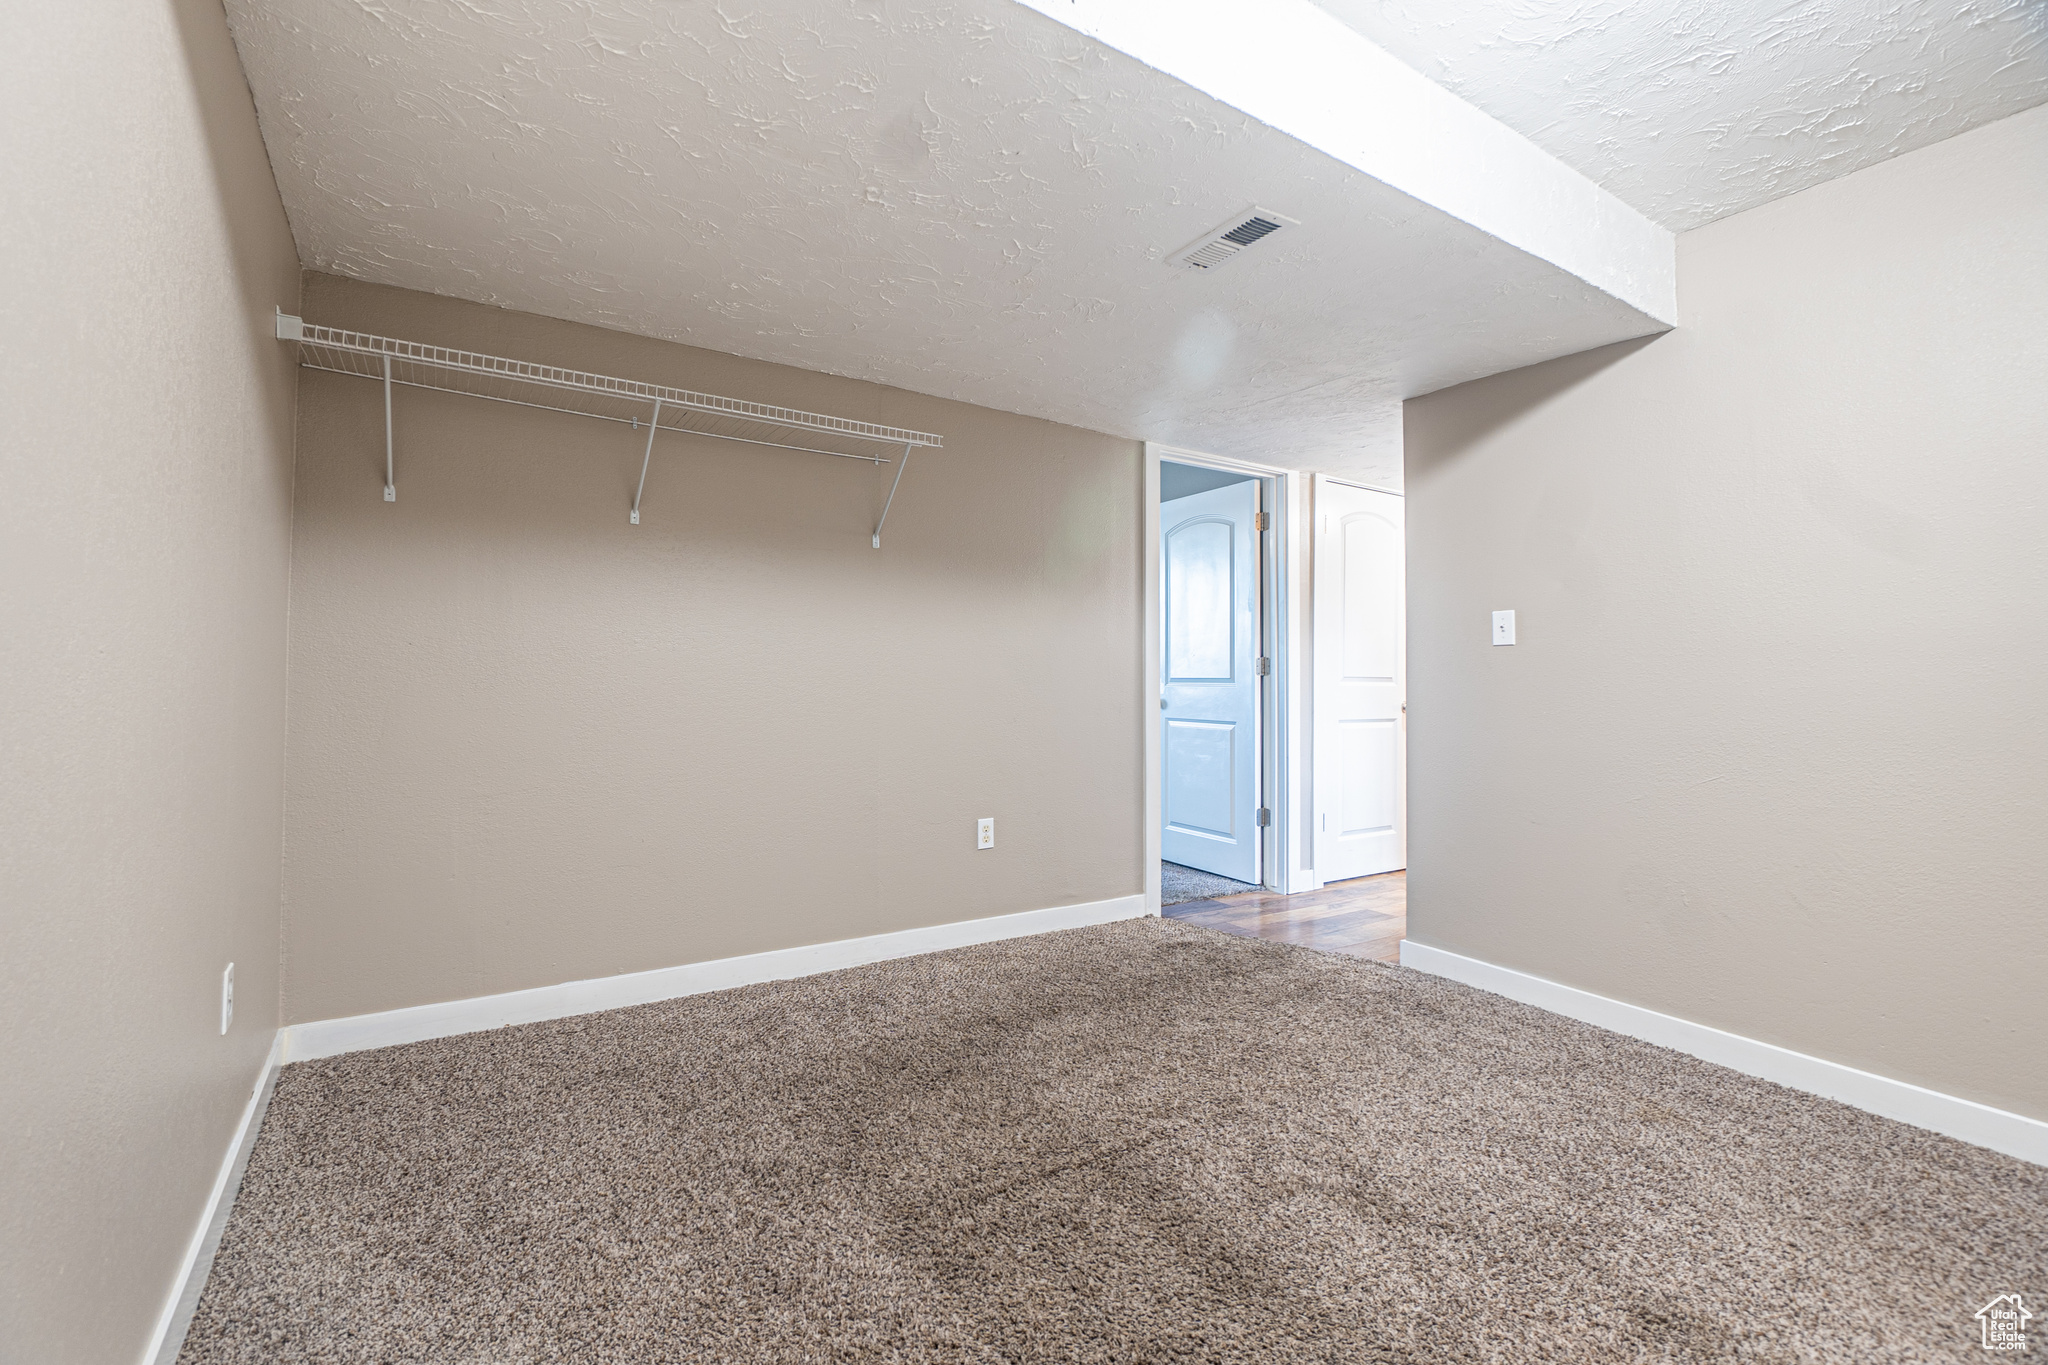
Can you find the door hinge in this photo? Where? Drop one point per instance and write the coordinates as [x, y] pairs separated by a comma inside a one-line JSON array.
[[1260, 521], [1265, 816], [1265, 666]]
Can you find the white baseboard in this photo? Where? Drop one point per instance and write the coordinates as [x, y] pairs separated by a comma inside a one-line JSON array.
[[330, 1037], [2013, 1134], [169, 1337]]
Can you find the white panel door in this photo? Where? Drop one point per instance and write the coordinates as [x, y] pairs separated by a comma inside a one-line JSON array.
[[1209, 697], [1360, 740]]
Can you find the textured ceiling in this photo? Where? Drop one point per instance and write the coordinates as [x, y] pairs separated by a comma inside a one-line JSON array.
[[959, 197], [1690, 110]]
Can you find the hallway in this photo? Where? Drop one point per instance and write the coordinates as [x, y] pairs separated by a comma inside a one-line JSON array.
[[1364, 917]]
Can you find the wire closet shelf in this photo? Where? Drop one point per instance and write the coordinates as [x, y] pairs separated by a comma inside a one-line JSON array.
[[627, 401]]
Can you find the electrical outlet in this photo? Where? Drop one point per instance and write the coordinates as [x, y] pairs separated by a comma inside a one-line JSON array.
[[227, 997], [985, 832]]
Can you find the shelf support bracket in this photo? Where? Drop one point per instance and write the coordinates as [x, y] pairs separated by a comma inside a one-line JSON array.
[[653, 425], [890, 501], [390, 485]]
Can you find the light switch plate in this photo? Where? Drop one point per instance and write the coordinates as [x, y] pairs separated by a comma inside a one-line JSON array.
[[985, 832], [227, 997], [1503, 627]]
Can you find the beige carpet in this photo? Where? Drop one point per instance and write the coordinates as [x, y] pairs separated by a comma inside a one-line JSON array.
[[1145, 1142]]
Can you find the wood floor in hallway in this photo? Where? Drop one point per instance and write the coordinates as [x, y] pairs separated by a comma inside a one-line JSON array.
[[1364, 917]]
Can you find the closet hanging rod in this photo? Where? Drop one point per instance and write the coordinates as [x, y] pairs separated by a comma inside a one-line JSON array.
[[551, 388]]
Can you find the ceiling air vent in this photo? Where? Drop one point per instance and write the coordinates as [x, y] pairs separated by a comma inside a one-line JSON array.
[[1228, 238]]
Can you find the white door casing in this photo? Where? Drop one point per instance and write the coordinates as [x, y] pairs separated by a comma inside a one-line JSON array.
[[1209, 686], [1361, 750]]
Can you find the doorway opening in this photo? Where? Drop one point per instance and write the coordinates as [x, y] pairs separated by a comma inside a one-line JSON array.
[[1277, 768], [1222, 753], [1213, 662]]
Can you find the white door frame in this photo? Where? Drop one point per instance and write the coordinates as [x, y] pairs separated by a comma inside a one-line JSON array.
[[1288, 846]]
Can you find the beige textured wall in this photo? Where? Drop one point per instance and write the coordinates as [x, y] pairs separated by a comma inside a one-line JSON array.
[[531, 743], [1772, 752], [144, 536]]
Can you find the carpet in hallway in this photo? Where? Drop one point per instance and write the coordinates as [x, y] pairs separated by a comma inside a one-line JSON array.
[[1177, 884], [1140, 1142]]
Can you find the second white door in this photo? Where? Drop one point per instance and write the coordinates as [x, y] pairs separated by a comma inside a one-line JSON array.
[[1209, 748], [1360, 732]]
